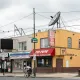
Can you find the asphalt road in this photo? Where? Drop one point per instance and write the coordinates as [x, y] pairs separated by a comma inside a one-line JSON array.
[[21, 78]]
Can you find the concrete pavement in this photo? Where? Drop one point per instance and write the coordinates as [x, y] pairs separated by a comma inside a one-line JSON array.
[[62, 75]]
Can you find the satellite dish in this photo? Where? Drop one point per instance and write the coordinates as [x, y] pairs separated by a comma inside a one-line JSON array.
[[54, 19]]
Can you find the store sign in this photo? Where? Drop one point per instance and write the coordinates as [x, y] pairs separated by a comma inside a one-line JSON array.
[[34, 40], [69, 54], [51, 38], [63, 51], [19, 55], [34, 57], [42, 51], [4, 54]]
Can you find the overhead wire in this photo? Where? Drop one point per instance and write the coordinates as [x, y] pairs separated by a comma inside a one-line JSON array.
[[61, 12], [36, 30], [40, 15], [39, 26], [43, 16], [16, 20], [62, 22]]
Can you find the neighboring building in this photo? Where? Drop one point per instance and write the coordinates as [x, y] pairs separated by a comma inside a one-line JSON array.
[[20, 55], [57, 51], [6, 46]]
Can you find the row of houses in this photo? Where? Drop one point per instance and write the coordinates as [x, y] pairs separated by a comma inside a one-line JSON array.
[[56, 51]]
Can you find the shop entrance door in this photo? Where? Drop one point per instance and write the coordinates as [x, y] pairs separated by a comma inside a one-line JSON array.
[[5, 66], [59, 65], [29, 63]]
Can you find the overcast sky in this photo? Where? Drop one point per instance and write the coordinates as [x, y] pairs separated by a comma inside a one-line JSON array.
[[12, 10]]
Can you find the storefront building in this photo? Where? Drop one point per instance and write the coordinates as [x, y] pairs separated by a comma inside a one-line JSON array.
[[5, 62], [57, 51], [20, 55], [20, 60], [44, 58]]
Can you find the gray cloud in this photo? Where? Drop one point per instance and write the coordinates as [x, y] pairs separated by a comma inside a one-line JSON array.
[[40, 5], [5, 4], [19, 8]]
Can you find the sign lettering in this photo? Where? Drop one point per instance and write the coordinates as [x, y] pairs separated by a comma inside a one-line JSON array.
[[41, 51], [51, 38]]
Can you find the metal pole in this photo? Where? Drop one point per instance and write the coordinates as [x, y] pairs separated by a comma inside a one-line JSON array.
[[3, 67], [59, 23], [34, 42]]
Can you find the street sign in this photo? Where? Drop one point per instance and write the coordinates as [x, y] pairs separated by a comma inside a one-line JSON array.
[[34, 40], [34, 57]]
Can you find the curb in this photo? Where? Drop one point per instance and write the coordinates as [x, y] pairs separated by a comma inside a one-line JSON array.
[[30, 77]]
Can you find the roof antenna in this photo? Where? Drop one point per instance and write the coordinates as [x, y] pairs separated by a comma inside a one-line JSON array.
[[55, 19]]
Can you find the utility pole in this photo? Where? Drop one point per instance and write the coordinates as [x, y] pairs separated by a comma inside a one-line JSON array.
[[34, 42]]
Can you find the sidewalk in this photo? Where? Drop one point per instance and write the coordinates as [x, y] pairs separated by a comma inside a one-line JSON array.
[[62, 75]]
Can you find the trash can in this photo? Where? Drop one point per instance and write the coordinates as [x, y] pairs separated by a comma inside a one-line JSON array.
[[79, 72]]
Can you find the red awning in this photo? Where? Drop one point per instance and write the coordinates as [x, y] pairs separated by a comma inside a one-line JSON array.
[[43, 52]]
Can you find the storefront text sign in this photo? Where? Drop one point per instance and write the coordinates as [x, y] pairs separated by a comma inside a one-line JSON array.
[[69, 54], [63, 51], [34, 57], [42, 51], [3, 54], [19, 55], [51, 38]]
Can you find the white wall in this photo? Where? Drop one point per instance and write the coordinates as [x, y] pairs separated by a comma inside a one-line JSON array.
[[22, 39]]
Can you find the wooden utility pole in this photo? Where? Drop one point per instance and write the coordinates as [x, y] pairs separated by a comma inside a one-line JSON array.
[[34, 42]]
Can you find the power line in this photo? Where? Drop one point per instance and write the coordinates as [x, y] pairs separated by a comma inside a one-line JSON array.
[[16, 20], [61, 12], [24, 28], [43, 16], [63, 22], [40, 15], [72, 20], [36, 30], [73, 27]]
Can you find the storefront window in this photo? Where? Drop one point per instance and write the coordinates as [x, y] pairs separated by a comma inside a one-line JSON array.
[[44, 62], [18, 64]]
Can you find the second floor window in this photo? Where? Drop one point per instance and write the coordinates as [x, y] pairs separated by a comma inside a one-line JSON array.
[[44, 43], [22, 45], [69, 42]]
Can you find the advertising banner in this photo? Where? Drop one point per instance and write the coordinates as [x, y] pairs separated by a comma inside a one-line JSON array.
[[19, 55], [51, 37]]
